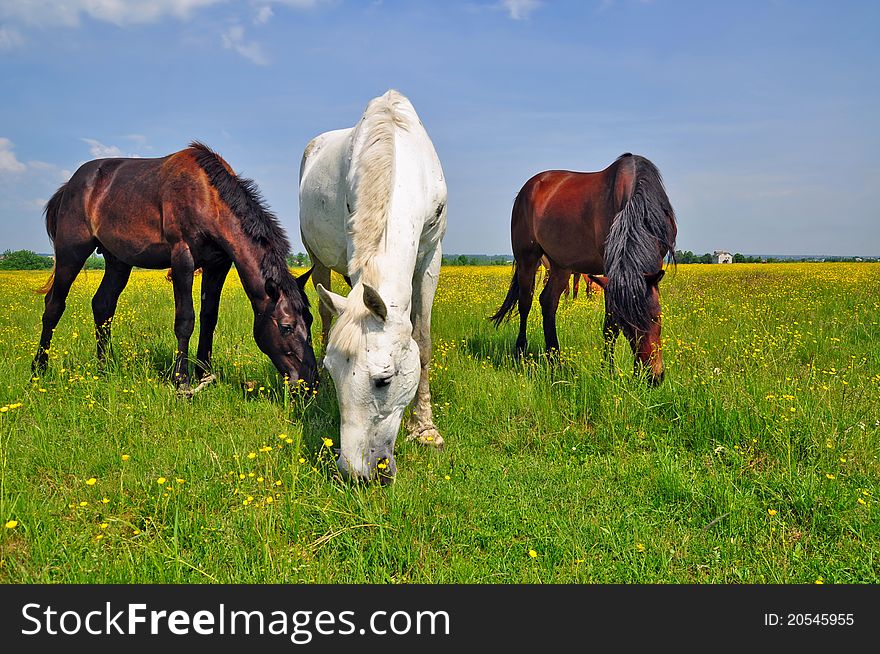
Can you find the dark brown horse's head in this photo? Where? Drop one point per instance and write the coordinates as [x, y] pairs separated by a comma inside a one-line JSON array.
[[642, 331], [283, 331]]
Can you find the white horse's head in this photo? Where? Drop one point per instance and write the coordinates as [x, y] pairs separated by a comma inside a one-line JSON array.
[[374, 362]]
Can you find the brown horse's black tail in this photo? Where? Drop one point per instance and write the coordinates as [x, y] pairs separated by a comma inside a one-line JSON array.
[[51, 211], [510, 301]]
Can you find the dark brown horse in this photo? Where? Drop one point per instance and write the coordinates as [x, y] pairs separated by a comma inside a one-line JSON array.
[[185, 211], [616, 226]]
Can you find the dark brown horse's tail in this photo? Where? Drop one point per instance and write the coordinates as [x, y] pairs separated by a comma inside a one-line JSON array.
[[53, 207], [510, 301]]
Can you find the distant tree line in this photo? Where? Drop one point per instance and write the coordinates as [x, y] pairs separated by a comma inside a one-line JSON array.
[[686, 256], [30, 260], [299, 260], [476, 260]]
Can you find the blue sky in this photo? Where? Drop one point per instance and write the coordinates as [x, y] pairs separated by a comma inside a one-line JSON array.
[[760, 115]]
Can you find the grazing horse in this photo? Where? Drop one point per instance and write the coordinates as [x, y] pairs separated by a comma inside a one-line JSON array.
[[185, 211], [544, 272], [373, 208], [616, 226]]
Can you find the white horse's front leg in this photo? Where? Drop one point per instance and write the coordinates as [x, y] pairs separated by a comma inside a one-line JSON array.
[[420, 425]]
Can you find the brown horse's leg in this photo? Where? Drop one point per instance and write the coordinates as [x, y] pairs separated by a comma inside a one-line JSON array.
[[182, 268], [116, 274], [575, 283], [525, 270], [610, 330], [68, 262], [550, 303], [213, 278], [321, 275]]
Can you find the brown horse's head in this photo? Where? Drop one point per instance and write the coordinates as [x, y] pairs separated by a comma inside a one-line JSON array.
[[642, 330], [283, 331]]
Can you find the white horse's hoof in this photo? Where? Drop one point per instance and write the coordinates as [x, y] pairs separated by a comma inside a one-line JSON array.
[[427, 436]]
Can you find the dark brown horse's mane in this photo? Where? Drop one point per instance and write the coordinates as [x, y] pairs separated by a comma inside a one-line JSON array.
[[641, 236], [246, 202]]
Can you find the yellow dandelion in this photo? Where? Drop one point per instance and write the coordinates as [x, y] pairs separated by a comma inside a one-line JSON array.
[[91, 482], [104, 525], [83, 503], [161, 480], [302, 460], [125, 457], [382, 465], [328, 442], [829, 475], [136, 532], [288, 441], [99, 536], [12, 524], [772, 512], [252, 455], [447, 477], [820, 580], [533, 554], [180, 481], [640, 547], [270, 499], [105, 500]]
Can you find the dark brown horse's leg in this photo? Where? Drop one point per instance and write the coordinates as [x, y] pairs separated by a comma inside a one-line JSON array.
[[550, 303], [525, 271], [610, 330], [182, 268], [213, 278], [68, 263], [575, 283], [116, 274]]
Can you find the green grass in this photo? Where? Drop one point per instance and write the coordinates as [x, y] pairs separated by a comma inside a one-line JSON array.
[[771, 404]]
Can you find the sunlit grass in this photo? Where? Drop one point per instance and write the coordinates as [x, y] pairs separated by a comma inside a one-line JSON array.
[[756, 461]]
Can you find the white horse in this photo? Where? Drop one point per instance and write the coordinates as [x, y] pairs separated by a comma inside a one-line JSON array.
[[373, 208]]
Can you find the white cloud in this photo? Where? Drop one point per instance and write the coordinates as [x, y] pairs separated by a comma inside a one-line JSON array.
[[101, 151], [520, 9], [118, 12], [264, 15], [9, 163], [9, 39], [233, 39]]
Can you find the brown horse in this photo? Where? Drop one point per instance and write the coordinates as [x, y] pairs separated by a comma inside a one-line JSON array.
[[591, 286], [185, 211], [616, 226]]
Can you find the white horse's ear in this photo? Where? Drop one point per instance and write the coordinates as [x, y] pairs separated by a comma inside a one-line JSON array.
[[336, 303], [374, 303]]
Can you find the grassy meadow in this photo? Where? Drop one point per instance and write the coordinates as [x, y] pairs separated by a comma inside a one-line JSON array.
[[756, 461]]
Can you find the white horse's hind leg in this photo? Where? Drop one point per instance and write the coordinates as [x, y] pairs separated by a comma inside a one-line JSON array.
[[321, 275], [420, 425]]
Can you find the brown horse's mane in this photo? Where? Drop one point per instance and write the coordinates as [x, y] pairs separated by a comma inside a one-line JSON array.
[[246, 202], [641, 237]]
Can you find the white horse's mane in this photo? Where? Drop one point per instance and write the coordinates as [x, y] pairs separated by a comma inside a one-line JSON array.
[[372, 178]]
